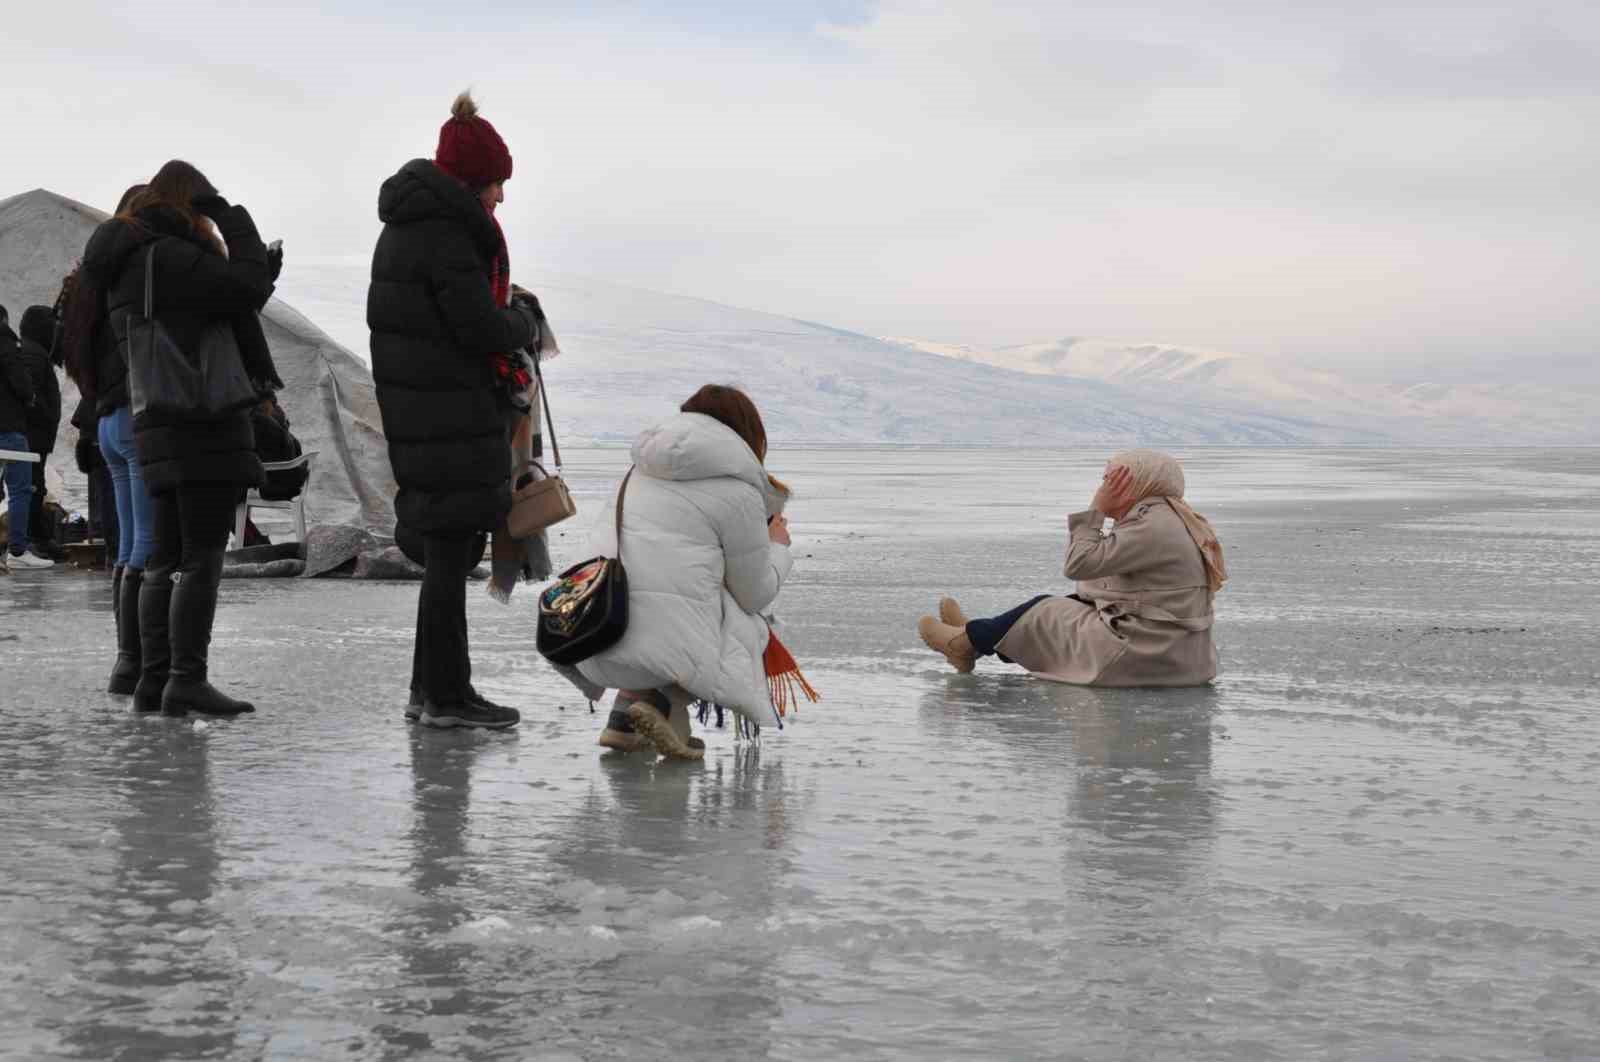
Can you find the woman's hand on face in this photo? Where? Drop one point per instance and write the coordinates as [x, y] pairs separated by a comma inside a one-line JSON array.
[[778, 530], [1115, 495]]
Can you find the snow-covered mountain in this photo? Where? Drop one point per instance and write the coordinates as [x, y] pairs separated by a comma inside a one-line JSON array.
[[1545, 401], [632, 355]]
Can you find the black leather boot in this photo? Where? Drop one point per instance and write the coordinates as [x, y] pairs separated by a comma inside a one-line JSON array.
[[155, 655], [126, 585], [194, 608]]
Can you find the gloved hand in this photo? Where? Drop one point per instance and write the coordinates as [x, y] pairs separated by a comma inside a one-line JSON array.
[[85, 451], [275, 261], [210, 205], [529, 314], [523, 295]]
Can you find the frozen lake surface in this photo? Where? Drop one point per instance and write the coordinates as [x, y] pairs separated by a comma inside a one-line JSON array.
[[1377, 836]]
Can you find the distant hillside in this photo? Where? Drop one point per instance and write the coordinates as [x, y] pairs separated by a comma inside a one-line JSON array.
[[632, 355], [1550, 401]]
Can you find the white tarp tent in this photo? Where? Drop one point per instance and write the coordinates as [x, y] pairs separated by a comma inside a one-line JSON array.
[[328, 392]]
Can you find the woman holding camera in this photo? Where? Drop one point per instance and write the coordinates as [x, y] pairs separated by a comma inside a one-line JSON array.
[[209, 266], [444, 329]]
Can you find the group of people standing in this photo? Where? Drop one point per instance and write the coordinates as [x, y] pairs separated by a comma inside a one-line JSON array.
[[698, 523], [30, 415]]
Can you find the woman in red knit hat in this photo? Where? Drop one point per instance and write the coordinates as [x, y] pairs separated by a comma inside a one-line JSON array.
[[444, 335]]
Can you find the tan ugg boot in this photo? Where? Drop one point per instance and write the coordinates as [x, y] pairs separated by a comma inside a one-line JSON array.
[[949, 640], [950, 612], [664, 722], [619, 733]]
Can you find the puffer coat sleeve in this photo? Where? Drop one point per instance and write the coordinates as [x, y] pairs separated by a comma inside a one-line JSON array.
[[756, 566], [190, 278], [466, 302]]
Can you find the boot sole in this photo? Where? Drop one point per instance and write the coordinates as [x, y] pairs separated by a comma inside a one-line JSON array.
[[653, 726], [451, 722], [178, 711], [963, 665], [950, 612], [620, 740]]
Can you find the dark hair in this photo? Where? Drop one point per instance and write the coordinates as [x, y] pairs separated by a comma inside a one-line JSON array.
[[732, 407], [175, 187], [80, 301]]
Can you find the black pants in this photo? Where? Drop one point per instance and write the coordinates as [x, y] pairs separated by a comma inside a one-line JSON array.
[[440, 665], [38, 531], [103, 511], [985, 634], [192, 525]]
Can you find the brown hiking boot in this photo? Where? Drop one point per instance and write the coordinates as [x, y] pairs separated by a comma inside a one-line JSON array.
[[950, 640]]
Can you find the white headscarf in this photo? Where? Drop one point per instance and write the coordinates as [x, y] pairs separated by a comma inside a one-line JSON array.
[[1159, 475]]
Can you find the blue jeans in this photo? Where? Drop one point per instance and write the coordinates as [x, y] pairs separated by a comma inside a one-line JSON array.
[[19, 490], [135, 516]]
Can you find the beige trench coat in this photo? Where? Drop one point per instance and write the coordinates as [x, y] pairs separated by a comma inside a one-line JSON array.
[[1146, 615]]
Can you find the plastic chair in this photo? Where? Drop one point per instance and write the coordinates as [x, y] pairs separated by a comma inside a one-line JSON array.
[[295, 505]]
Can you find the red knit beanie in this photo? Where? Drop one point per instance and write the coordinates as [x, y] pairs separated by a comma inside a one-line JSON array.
[[469, 148]]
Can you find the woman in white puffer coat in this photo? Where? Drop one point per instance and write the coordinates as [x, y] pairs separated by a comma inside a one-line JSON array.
[[706, 552]]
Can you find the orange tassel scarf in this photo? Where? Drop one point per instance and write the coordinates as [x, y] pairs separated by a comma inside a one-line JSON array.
[[784, 678]]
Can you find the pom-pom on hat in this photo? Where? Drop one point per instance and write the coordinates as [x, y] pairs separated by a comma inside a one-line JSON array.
[[469, 148]]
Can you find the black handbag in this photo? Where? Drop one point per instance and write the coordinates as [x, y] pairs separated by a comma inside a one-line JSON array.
[[585, 611], [165, 381]]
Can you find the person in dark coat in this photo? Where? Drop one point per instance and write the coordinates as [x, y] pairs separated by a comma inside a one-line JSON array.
[[18, 403], [196, 470], [443, 326], [37, 332], [102, 500], [275, 444], [95, 363]]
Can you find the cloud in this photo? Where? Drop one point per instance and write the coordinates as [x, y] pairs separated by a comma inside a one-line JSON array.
[[1397, 181]]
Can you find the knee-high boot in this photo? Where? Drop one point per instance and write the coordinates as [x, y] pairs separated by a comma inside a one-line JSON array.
[[150, 621], [194, 608], [126, 586]]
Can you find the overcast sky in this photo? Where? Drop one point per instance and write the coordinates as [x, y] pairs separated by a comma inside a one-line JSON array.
[[1416, 181]]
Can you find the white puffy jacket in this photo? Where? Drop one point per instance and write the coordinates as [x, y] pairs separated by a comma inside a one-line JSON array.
[[700, 568]]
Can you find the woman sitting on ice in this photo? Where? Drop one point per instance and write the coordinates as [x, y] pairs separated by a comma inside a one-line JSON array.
[[1142, 612]]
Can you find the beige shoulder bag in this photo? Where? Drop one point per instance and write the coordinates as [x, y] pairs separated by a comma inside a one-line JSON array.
[[541, 503]]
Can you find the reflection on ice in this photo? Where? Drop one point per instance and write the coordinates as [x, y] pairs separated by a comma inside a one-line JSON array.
[[1375, 836]]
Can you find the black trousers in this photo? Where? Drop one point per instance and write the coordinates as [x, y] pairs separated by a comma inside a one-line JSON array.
[[192, 525], [37, 531], [103, 510], [440, 665]]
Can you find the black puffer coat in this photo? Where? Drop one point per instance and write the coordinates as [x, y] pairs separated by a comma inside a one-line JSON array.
[[16, 383], [194, 285], [434, 327], [36, 332]]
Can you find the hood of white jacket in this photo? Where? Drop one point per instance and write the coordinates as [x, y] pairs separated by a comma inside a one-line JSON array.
[[693, 446]]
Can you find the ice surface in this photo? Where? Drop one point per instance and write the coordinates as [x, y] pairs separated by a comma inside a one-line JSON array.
[[1375, 837]]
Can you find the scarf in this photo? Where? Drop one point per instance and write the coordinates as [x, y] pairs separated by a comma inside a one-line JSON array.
[[784, 677], [509, 367], [1159, 475]]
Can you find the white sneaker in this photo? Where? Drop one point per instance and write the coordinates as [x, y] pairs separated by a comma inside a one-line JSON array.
[[30, 559]]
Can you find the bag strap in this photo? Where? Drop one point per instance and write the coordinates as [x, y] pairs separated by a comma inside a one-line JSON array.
[[150, 282], [621, 496], [555, 447]]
